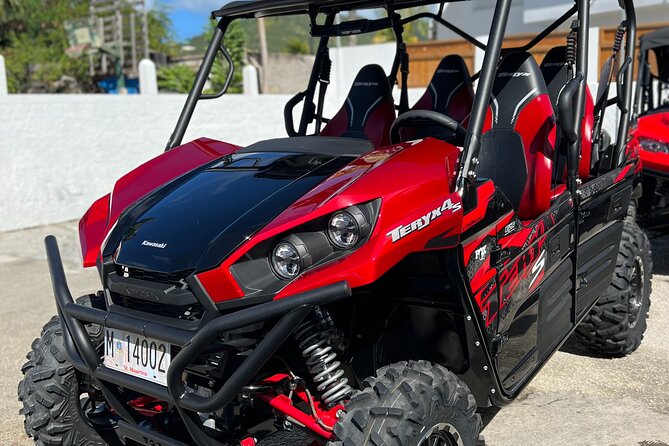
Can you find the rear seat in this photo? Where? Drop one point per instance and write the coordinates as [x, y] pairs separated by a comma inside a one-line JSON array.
[[450, 92]]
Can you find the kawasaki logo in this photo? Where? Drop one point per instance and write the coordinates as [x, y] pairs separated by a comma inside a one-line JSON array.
[[154, 244], [142, 294], [424, 221]]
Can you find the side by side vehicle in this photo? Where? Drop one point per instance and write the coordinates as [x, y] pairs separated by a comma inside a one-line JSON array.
[[381, 276], [651, 128]]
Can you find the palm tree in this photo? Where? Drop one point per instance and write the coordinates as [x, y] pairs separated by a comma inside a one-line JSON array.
[[8, 5]]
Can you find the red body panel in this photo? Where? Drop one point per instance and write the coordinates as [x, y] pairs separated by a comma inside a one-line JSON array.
[[413, 179], [100, 218], [653, 126], [92, 230], [586, 136]]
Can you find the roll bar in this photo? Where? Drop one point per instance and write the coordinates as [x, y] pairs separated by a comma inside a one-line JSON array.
[[625, 75], [493, 51]]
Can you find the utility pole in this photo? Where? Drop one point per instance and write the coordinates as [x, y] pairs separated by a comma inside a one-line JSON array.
[[264, 57]]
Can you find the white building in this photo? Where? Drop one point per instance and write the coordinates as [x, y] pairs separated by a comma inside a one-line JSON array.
[[531, 16]]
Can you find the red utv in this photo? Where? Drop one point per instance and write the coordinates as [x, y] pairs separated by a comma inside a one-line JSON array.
[[650, 135], [370, 279]]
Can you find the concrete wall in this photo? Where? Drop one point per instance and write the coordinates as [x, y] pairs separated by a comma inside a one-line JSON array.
[[58, 153], [288, 73]]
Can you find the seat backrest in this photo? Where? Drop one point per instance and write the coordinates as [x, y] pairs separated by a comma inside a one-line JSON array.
[[556, 72], [522, 116], [450, 91], [369, 110]]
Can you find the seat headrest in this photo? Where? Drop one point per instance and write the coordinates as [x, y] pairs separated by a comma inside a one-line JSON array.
[[451, 74], [369, 109], [556, 71], [517, 82], [370, 87]]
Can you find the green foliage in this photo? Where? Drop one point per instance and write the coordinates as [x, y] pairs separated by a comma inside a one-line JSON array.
[[34, 43], [161, 34], [8, 7], [280, 32], [180, 78], [234, 42], [413, 31], [297, 46], [176, 78], [33, 40]]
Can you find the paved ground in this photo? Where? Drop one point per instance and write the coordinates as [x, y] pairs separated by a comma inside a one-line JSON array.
[[575, 400]]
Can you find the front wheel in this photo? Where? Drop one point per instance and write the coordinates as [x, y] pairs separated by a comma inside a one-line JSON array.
[[411, 404], [60, 405]]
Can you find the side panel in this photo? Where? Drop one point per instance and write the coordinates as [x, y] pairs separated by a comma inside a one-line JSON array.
[[92, 229], [602, 210], [520, 277], [534, 288], [555, 308]]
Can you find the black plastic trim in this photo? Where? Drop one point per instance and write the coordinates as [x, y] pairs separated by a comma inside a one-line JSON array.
[[82, 353]]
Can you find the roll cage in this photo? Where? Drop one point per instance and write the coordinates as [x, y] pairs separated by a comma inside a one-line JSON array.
[[323, 15], [651, 87]]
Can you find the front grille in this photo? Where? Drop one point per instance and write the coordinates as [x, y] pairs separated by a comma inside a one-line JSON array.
[[153, 276], [190, 312]]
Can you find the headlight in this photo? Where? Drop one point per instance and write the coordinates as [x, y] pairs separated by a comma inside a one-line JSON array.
[[297, 252], [324, 239], [653, 145], [347, 228], [286, 260]]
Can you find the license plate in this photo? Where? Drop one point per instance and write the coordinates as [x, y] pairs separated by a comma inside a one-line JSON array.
[[137, 355]]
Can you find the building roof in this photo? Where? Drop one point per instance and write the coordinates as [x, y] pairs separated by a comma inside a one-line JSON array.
[[266, 8]]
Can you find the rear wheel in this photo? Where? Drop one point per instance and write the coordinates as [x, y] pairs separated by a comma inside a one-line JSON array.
[[411, 404], [616, 324], [60, 405]]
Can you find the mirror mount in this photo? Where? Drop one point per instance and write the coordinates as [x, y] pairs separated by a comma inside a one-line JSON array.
[[569, 126]]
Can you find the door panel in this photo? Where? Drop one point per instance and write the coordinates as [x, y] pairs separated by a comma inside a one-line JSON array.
[[595, 264], [534, 287], [602, 212], [555, 308]]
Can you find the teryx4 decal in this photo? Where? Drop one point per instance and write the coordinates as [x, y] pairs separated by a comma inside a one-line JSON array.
[[538, 268], [423, 222]]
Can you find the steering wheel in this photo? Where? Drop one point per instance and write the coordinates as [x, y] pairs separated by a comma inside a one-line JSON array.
[[427, 118]]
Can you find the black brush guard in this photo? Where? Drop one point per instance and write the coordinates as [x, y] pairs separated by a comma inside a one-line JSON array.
[[84, 357]]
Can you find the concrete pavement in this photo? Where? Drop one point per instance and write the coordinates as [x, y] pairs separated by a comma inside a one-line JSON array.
[[575, 399]]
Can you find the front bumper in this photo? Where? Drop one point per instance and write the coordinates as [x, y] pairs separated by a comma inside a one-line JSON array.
[[83, 355]]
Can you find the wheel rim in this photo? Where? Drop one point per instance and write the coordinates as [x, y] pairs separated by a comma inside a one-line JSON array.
[[441, 434], [635, 301]]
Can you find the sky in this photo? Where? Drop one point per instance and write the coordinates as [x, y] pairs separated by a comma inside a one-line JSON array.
[[189, 16]]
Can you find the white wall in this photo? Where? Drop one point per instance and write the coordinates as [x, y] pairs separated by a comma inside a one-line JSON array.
[[58, 153], [347, 61]]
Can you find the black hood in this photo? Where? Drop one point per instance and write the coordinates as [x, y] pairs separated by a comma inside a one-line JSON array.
[[195, 222]]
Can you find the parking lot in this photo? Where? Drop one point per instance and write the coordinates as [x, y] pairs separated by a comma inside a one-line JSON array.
[[575, 400]]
